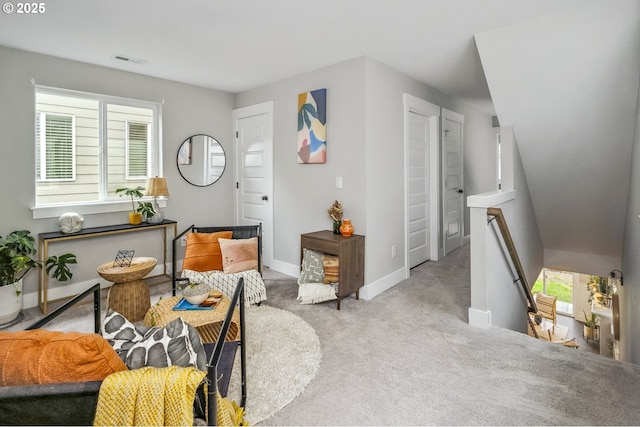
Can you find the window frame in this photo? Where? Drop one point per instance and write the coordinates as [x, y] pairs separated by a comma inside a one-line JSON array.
[[105, 204]]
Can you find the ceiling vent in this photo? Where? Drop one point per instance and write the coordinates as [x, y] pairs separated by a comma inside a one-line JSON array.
[[130, 59]]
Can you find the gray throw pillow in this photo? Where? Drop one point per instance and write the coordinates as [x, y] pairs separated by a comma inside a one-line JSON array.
[[312, 269]]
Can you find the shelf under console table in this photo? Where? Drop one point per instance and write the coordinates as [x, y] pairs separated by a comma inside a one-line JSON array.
[[350, 253], [56, 236]]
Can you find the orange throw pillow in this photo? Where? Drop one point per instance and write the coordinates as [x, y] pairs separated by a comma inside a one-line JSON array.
[[48, 357], [202, 252], [239, 254]]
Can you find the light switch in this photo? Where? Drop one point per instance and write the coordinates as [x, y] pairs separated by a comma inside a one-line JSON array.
[[338, 182]]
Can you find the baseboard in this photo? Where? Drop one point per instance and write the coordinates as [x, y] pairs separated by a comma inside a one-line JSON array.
[[481, 319], [285, 268], [371, 290], [366, 292]]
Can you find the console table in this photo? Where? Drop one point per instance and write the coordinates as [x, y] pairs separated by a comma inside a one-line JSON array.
[[47, 238], [350, 253]]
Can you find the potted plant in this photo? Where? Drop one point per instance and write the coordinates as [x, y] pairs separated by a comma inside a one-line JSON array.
[[335, 213], [591, 327], [146, 209], [598, 290], [135, 217], [16, 260]]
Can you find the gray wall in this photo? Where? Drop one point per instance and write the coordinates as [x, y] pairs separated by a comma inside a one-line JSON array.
[[507, 300], [495, 299], [302, 193], [186, 110], [365, 145], [630, 292]]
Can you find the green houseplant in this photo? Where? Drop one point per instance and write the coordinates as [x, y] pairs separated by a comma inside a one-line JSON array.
[[146, 209], [591, 326], [135, 216], [16, 260]]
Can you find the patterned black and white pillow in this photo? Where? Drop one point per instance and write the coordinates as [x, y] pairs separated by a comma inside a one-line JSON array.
[[176, 343], [120, 333]]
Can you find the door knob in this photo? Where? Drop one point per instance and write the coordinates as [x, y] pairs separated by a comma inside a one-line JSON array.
[[460, 190], [265, 198]]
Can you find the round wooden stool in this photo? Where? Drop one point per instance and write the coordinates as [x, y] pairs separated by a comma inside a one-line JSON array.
[[129, 294]]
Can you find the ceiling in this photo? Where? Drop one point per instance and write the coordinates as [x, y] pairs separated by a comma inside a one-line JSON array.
[[568, 84], [235, 45], [563, 73]]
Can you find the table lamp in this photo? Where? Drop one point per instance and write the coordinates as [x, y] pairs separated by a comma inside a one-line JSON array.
[[157, 187]]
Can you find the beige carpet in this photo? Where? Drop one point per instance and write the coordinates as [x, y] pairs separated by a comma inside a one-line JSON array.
[[283, 356], [409, 357]]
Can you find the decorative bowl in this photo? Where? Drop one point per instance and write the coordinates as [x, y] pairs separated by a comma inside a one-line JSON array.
[[196, 299], [195, 293]]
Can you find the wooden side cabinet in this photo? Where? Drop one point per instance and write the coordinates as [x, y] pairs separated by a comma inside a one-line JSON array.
[[350, 252]]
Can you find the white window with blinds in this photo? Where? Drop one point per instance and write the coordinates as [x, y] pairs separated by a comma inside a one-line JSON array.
[[138, 150], [87, 145], [55, 140]]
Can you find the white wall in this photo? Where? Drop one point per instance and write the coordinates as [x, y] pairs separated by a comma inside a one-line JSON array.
[[495, 299], [597, 265], [187, 110], [630, 292]]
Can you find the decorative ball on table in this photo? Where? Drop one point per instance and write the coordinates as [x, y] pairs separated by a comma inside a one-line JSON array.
[[70, 222]]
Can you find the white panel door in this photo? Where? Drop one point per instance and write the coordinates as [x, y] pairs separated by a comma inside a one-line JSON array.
[[421, 140], [254, 169], [452, 180], [418, 191]]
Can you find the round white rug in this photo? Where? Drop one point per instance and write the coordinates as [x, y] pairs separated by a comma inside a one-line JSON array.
[[283, 356]]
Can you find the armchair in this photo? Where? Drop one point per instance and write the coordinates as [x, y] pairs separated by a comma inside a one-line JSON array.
[[211, 271], [75, 403]]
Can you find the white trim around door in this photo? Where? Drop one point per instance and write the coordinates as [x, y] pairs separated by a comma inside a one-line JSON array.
[[430, 136], [253, 198]]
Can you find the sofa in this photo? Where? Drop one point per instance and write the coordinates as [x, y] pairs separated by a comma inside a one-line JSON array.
[[220, 255]]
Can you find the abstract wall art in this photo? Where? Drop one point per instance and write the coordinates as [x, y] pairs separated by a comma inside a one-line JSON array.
[[312, 126]]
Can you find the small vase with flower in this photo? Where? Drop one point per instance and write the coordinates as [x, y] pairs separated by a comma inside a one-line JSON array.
[[335, 213]]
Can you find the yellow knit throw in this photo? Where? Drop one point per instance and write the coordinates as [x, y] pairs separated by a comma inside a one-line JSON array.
[[229, 413], [148, 396]]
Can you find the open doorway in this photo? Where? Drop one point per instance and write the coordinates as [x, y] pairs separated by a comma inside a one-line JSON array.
[[573, 304], [559, 284]]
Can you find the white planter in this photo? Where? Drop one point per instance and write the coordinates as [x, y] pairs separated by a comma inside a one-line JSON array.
[[10, 303]]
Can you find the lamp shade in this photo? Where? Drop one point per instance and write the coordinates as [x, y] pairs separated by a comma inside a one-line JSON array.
[[157, 187]]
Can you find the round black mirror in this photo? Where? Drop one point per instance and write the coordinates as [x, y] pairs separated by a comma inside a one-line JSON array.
[[201, 160]]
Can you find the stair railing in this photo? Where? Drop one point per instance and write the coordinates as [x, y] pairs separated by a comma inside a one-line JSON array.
[[95, 289], [496, 213]]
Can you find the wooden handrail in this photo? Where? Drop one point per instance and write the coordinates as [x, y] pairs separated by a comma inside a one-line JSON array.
[[511, 247]]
